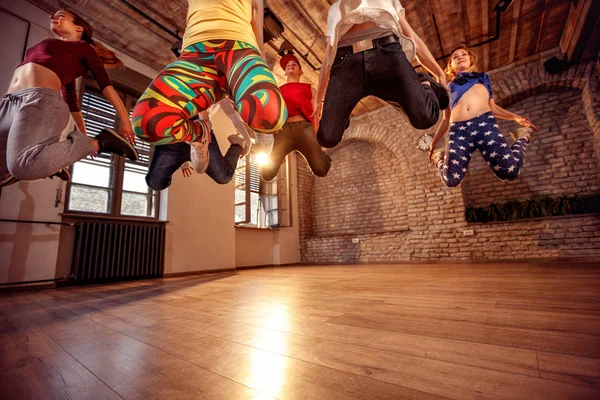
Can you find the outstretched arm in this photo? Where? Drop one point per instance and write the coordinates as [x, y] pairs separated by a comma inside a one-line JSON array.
[[321, 87], [258, 10], [423, 54], [505, 114], [114, 99]]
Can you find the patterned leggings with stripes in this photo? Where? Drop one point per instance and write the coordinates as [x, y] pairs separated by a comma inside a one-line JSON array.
[[188, 86]]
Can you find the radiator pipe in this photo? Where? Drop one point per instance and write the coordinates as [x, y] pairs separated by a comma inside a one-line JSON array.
[[149, 18], [25, 221]]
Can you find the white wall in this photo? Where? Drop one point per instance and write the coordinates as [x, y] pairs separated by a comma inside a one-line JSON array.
[[200, 235]]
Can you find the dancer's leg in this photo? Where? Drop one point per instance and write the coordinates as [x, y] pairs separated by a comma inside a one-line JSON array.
[[182, 89], [392, 78], [305, 141], [282, 146], [222, 168], [345, 89], [166, 159], [252, 87], [462, 141], [506, 162], [31, 147]]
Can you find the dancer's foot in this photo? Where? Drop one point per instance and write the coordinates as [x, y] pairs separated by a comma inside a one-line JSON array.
[[228, 108], [239, 141], [64, 174], [440, 91], [110, 141], [523, 132], [199, 154], [437, 157]]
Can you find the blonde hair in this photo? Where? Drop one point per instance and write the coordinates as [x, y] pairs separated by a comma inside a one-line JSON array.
[[451, 73], [108, 57]]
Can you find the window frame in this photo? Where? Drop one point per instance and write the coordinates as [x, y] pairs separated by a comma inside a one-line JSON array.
[[118, 166], [283, 177]]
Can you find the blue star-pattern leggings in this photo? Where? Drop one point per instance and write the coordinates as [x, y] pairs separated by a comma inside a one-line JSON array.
[[480, 133]]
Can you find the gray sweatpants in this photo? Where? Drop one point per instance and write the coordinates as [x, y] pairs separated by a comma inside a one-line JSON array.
[[31, 122]]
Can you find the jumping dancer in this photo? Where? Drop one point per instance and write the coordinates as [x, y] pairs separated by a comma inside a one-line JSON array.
[[298, 133], [222, 49], [471, 120], [33, 114], [370, 45]]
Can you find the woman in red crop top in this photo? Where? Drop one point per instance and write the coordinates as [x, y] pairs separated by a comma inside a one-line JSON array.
[[33, 113], [298, 132]]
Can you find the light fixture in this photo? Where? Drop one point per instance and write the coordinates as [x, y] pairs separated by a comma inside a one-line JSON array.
[[502, 5], [262, 159]]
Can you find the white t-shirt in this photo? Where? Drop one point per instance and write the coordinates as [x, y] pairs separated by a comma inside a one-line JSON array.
[[346, 13]]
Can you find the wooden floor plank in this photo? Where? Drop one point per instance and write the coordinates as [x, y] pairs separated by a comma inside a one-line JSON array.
[[571, 369], [430, 375], [415, 331]]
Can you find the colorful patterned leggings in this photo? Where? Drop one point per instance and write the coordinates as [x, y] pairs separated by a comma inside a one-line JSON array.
[[481, 133], [188, 85]]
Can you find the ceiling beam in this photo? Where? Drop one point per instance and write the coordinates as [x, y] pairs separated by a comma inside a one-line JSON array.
[[485, 27], [543, 25], [514, 31]]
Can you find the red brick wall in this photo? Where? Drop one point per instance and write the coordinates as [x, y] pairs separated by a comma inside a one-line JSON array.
[[560, 160], [363, 193], [435, 214]]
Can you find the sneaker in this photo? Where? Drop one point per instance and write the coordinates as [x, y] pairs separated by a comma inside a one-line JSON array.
[[236, 119], [199, 154], [238, 140], [437, 157], [111, 142], [440, 92], [521, 132], [264, 142], [63, 173]]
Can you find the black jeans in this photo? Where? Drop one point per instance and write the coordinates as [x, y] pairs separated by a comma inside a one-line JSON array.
[[296, 136], [168, 158], [384, 72]]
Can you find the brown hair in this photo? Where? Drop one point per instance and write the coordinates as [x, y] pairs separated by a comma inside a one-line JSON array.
[[108, 57], [451, 73]]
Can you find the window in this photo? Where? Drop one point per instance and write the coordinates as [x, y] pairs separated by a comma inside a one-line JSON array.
[[107, 184], [259, 203]]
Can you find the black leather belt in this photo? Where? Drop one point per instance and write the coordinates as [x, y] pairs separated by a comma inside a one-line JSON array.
[[367, 44]]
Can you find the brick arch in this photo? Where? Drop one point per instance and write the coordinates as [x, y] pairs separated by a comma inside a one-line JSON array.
[[515, 83], [375, 134]]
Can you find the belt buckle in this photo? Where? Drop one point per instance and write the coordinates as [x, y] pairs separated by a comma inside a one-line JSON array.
[[363, 45]]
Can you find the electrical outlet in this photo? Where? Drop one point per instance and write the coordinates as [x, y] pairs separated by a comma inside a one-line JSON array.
[[468, 232], [355, 240]]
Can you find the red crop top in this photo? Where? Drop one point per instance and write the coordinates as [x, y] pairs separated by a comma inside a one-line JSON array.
[[69, 60], [298, 99]]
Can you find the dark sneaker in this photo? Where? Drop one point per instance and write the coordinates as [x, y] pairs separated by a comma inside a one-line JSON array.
[[111, 142], [440, 92], [63, 173]]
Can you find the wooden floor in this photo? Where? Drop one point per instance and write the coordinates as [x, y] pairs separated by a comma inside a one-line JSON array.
[[456, 331]]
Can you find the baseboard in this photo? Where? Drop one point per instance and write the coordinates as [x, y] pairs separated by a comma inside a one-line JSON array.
[[270, 266], [26, 287], [203, 272]]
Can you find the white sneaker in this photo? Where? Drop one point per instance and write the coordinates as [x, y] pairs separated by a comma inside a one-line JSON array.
[[199, 154], [236, 119], [237, 139]]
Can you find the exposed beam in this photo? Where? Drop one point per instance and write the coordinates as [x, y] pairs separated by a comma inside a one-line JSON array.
[[485, 27], [514, 31], [306, 15], [462, 20], [543, 25]]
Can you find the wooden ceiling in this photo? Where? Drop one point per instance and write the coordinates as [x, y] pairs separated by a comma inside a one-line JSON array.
[[527, 27]]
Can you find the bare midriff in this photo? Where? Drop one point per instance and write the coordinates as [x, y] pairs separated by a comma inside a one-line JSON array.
[[474, 102], [34, 75], [360, 27], [296, 118]]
